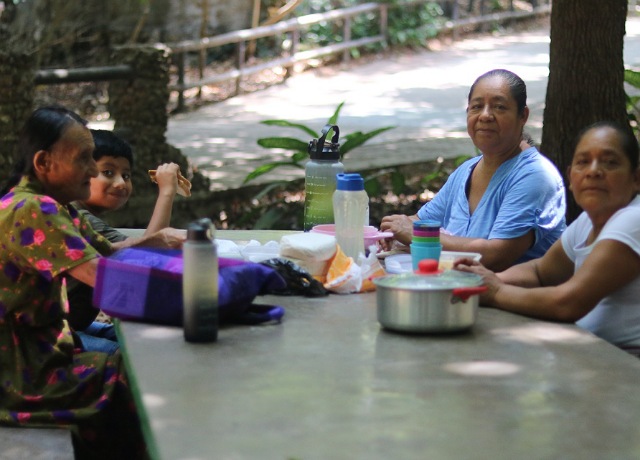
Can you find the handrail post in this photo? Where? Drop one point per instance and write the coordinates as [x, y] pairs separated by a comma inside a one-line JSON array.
[[384, 22], [180, 57], [240, 58], [483, 9], [346, 32], [295, 41], [455, 14]]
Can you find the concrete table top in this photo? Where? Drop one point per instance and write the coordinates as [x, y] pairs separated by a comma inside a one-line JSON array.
[[330, 383]]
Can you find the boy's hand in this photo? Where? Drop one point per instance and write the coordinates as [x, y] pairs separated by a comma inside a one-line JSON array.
[[169, 237], [170, 181], [167, 178]]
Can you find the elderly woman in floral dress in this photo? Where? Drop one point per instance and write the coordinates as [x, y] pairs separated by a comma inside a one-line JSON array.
[[46, 377]]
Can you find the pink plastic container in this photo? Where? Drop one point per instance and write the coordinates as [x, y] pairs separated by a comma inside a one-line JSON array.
[[371, 234]]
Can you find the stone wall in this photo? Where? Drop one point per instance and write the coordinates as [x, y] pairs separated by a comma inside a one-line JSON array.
[[16, 99], [139, 108]]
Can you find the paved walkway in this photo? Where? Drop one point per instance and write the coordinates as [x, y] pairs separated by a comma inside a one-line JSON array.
[[422, 93]]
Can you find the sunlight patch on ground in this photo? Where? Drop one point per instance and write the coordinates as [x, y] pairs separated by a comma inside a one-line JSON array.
[[151, 400], [216, 140], [539, 333], [632, 26], [160, 333], [489, 43], [483, 368], [196, 140], [206, 160], [238, 156], [440, 133]]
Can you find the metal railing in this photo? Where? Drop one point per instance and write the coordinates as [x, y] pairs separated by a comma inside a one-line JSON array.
[[58, 76], [293, 28]]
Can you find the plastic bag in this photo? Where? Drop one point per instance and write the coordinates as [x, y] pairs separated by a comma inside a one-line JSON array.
[[346, 277], [298, 281]]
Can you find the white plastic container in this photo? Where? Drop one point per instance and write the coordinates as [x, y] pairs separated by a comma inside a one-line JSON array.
[[371, 234], [447, 258], [350, 202], [401, 263], [200, 283]]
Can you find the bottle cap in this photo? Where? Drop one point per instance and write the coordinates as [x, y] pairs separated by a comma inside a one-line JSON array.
[[352, 182], [320, 150], [200, 230]]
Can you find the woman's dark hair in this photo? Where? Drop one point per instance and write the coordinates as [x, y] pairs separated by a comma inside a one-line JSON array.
[[627, 139], [528, 139], [44, 127], [109, 144], [516, 85]]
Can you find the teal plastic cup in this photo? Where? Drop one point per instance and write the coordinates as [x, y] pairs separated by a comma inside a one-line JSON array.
[[420, 252]]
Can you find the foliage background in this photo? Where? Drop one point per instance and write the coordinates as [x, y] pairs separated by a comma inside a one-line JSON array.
[[75, 34]]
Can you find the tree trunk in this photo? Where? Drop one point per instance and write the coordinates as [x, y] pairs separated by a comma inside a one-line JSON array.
[[586, 75]]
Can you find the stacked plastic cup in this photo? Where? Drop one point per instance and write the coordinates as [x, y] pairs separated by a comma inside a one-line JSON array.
[[425, 242]]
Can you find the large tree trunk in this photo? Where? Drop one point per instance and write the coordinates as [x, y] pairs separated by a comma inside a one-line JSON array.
[[586, 75]]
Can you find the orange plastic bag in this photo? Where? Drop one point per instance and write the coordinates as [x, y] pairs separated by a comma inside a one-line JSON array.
[[345, 276]]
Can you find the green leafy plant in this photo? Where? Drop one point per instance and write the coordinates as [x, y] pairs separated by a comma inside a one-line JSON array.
[[299, 147], [414, 25], [408, 24], [440, 173], [393, 180]]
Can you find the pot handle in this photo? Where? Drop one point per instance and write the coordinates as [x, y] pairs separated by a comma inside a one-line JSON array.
[[465, 292]]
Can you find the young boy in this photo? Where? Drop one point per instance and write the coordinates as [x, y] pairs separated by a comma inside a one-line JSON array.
[[109, 192], [113, 187]]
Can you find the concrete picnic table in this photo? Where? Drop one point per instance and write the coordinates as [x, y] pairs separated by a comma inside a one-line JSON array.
[[329, 382]]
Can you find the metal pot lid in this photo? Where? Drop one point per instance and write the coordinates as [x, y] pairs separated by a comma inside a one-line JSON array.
[[426, 278]]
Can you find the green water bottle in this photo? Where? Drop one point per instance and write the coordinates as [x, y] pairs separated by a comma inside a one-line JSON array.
[[320, 178]]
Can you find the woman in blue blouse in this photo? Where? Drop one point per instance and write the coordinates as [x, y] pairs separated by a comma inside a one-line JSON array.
[[507, 204]]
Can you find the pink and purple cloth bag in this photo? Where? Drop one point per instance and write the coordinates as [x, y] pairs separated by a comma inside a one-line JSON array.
[[145, 284]]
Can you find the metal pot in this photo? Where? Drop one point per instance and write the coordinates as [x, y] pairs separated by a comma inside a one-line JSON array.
[[428, 300]]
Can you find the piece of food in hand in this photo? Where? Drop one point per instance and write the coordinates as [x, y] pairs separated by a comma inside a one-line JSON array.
[[184, 186]]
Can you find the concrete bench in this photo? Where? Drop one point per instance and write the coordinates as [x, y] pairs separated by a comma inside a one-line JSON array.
[[35, 443]]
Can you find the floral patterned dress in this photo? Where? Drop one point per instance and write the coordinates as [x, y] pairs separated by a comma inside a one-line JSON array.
[[44, 378]]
